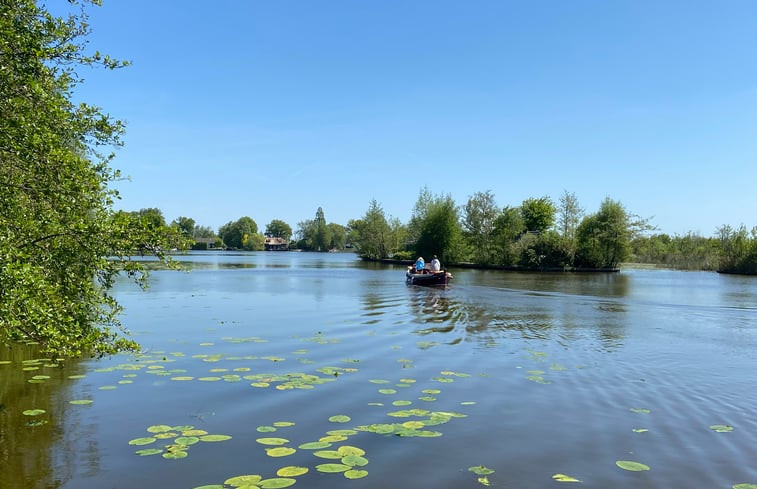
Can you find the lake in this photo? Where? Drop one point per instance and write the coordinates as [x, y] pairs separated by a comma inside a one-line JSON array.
[[322, 371]]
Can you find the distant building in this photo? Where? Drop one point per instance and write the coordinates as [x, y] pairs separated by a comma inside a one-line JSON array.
[[276, 244], [204, 243]]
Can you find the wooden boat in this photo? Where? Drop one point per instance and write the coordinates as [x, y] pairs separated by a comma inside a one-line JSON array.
[[442, 277]]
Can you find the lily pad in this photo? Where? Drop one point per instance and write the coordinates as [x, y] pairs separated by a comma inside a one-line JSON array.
[[340, 418], [291, 471], [272, 441], [279, 451], [315, 445], [481, 470], [80, 402], [641, 410], [175, 454], [355, 461], [276, 483], [148, 451], [744, 486], [564, 478], [142, 441], [330, 454], [266, 429], [332, 468], [721, 428], [283, 424], [159, 428], [355, 474], [187, 440], [33, 412], [214, 438], [242, 480], [632, 466]]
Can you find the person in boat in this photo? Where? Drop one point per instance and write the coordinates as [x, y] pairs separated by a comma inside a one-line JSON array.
[[420, 265], [435, 265]]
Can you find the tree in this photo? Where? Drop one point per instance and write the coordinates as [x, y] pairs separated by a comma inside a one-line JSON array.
[[538, 214], [236, 234], [186, 226], [508, 228], [279, 229], [569, 216], [371, 233], [604, 239], [441, 233], [152, 217], [61, 243], [479, 218], [420, 210], [322, 235], [338, 236]]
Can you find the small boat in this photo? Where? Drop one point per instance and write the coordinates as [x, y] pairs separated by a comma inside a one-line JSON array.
[[442, 277]]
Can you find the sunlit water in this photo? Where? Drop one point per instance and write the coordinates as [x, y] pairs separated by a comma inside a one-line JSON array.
[[538, 374]]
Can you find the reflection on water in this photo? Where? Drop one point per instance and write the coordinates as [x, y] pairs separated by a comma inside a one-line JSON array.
[[554, 361]]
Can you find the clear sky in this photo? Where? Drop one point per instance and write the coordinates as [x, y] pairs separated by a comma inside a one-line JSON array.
[[271, 109]]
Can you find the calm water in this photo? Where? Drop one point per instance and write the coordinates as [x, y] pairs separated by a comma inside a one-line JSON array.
[[530, 375]]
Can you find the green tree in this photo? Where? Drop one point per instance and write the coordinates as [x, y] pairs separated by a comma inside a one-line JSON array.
[[236, 233], [185, 225], [538, 214], [204, 232], [479, 218], [441, 233], [371, 234], [322, 235], [338, 236], [152, 217], [508, 228], [279, 229], [61, 243], [420, 210], [604, 238]]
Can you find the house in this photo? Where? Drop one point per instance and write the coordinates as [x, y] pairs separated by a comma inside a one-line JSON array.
[[276, 244], [204, 243]]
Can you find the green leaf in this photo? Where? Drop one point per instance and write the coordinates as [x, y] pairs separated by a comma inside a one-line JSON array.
[[242, 480], [332, 468], [291, 471], [355, 474], [279, 451], [564, 478], [632, 466], [276, 483]]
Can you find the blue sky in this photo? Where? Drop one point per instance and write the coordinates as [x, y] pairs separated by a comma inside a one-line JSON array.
[[273, 109]]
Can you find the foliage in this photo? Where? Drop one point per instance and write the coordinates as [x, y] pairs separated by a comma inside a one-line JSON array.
[[508, 228], [480, 215], [316, 234], [440, 231], [538, 214], [238, 234], [338, 236], [420, 210], [321, 238], [279, 229], [739, 250], [185, 225], [569, 214], [370, 234], [61, 244], [603, 239], [688, 252]]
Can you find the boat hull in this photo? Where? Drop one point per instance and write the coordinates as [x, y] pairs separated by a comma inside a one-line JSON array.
[[429, 279]]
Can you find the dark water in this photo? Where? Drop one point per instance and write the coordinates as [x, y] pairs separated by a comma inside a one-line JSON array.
[[533, 374]]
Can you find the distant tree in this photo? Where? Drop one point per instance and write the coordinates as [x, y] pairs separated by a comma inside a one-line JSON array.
[[186, 225], [153, 217], [371, 234], [569, 216], [420, 210], [305, 235], [508, 228], [338, 234], [233, 233], [538, 214], [322, 237], [204, 232], [739, 250], [279, 229], [479, 219], [441, 233], [603, 239]]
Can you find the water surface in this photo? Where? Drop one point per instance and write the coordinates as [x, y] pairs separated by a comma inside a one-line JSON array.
[[535, 374]]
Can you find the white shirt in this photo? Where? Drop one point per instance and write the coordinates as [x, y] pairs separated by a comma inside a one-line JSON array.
[[435, 265]]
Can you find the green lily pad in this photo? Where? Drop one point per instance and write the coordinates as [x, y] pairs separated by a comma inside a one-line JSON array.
[[481, 470], [148, 451], [340, 418], [175, 454], [744, 486], [332, 438], [346, 450], [33, 412], [142, 441], [641, 410], [242, 480], [283, 424], [632, 466], [721, 428], [279, 451], [330, 454], [80, 402], [355, 474], [276, 483], [355, 461], [291, 471], [159, 428], [272, 441], [332, 468], [215, 438], [187, 440], [387, 391], [192, 432], [564, 478], [483, 480], [315, 445], [640, 430], [266, 429]]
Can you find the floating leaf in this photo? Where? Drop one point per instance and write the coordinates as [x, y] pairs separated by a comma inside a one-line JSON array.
[[214, 438], [484, 481], [721, 428], [148, 451], [193, 432], [291, 471], [175, 455], [159, 428], [276, 483], [272, 441], [80, 402], [640, 430], [632, 466], [279, 451], [355, 461], [33, 412], [481, 470], [283, 424], [355, 474], [333, 438], [166, 435], [387, 391], [185, 378], [564, 478], [331, 454], [744, 486], [242, 480], [641, 410], [187, 440], [266, 429], [332, 468], [340, 418], [142, 441], [315, 445], [346, 450]]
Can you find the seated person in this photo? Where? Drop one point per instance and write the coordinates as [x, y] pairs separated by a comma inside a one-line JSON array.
[[435, 264], [419, 265]]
